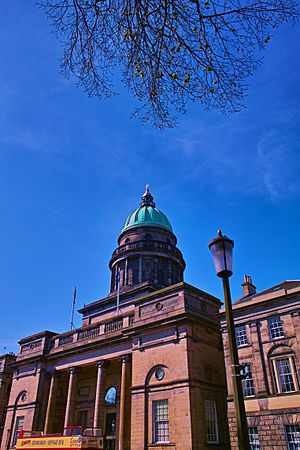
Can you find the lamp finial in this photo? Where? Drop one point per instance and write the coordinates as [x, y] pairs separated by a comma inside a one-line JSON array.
[[147, 198]]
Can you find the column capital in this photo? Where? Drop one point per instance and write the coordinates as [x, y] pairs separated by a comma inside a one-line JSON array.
[[102, 364], [73, 370], [124, 359]]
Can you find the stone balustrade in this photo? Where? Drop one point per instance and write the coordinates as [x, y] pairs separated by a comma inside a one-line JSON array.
[[153, 245], [88, 334], [92, 332]]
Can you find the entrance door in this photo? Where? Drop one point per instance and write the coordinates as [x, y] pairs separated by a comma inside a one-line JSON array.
[[110, 431]]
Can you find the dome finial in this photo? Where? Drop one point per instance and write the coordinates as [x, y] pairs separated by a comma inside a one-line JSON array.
[[147, 198]]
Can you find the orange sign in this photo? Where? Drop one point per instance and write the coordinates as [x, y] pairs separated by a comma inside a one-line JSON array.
[[60, 442]]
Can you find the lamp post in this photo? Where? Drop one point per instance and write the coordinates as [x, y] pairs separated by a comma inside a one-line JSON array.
[[221, 250]]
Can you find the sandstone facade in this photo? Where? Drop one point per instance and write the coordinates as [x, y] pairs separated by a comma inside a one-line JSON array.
[[268, 337], [6, 371], [147, 364]]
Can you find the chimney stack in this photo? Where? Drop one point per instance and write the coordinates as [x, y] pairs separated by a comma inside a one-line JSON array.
[[248, 287]]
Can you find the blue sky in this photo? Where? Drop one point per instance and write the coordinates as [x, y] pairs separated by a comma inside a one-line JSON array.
[[73, 168]]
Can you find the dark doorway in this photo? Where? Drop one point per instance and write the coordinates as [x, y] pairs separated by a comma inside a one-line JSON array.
[[82, 418], [110, 431]]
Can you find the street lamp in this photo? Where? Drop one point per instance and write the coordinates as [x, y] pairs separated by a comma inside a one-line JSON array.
[[221, 250]]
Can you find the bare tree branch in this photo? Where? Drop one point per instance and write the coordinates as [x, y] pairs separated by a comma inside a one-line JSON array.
[[170, 52]]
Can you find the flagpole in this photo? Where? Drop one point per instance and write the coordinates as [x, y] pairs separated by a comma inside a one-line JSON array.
[[118, 292], [73, 308]]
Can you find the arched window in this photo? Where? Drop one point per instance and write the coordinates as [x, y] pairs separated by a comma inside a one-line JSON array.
[[282, 362], [159, 406], [20, 418], [127, 240], [111, 396]]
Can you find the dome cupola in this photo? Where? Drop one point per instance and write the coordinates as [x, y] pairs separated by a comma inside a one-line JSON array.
[[147, 214], [147, 252]]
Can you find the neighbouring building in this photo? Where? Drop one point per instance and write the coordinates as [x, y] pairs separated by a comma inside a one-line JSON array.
[[6, 372], [267, 326], [147, 363]]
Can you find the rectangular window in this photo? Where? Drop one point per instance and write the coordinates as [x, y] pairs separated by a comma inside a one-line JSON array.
[[247, 383], [292, 433], [18, 428], [253, 438], [241, 336], [211, 422], [284, 374], [84, 391], [161, 421], [275, 328]]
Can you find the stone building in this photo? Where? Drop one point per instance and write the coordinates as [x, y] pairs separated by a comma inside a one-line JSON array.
[[6, 372], [147, 363], [268, 339]]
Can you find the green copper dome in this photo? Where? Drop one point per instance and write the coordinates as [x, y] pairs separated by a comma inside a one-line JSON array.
[[147, 215]]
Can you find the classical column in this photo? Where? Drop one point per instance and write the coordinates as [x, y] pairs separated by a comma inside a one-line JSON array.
[[126, 272], [116, 276], [99, 399], [169, 272], [140, 269], [122, 277], [71, 397], [124, 363], [155, 270], [51, 403]]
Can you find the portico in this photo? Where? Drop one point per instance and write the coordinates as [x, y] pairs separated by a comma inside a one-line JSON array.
[[87, 405]]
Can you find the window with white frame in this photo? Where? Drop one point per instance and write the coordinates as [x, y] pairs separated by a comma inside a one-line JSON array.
[[292, 433], [247, 382], [211, 418], [253, 438], [275, 328], [241, 336], [285, 374], [160, 421]]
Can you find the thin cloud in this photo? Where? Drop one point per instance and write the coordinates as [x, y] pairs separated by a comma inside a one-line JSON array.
[[254, 159], [280, 165]]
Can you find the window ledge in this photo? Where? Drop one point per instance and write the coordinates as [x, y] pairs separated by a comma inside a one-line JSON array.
[[161, 444], [282, 394]]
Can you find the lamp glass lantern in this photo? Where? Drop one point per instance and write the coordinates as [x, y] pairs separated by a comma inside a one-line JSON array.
[[221, 251]]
